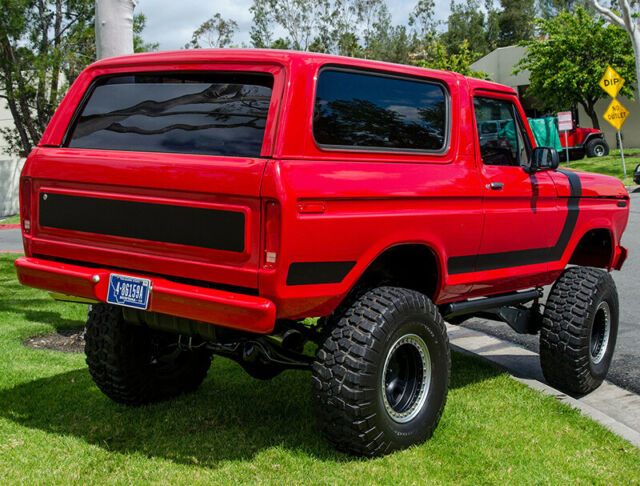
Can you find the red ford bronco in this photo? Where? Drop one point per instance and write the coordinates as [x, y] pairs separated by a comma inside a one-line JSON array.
[[209, 201]]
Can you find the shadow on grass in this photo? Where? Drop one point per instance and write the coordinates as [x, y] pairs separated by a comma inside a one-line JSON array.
[[231, 417]]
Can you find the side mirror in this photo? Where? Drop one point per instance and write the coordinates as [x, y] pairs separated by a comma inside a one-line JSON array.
[[543, 158]]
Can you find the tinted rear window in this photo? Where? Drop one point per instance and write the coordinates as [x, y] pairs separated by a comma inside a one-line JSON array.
[[366, 110], [213, 113]]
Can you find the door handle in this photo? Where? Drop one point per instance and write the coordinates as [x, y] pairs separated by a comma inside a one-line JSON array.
[[496, 186]]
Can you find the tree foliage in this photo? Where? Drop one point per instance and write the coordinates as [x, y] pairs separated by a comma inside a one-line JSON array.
[[516, 21], [436, 56], [628, 18], [213, 33], [139, 44], [358, 28], [548, 9], [45, 44], [466, 23], [568, 63]]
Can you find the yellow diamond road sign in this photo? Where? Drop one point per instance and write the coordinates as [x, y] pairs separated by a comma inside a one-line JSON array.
[[611, 82], [616, 114]]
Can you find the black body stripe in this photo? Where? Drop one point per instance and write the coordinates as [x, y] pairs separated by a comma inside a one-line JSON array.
[[494, 261], [310, 273], [207, 228]]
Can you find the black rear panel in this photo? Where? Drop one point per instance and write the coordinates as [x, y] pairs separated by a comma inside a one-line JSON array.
[[207, 228]]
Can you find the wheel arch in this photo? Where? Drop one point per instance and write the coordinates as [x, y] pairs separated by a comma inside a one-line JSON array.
[[595, 248], [593, 136], [413, 265]]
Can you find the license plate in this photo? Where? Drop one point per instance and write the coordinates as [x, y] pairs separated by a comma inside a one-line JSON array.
[[129, 291]]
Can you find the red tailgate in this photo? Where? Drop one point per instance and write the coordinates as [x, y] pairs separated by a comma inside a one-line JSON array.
[[189, 216]]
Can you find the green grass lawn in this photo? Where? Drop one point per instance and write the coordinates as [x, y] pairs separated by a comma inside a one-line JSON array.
[[610, 165], [11, 220], [57, 427]]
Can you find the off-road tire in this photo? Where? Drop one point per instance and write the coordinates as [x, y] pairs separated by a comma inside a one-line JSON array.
[[348, 373], [581, 297], [597, 147], [122, 362]]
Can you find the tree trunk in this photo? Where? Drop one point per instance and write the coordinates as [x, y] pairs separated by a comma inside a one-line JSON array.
[[635, 42], [589, 108], [114, 27], [55, 72]]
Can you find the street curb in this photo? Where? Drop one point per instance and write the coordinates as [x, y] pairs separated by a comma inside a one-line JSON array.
[[9, 226], [613, 407]]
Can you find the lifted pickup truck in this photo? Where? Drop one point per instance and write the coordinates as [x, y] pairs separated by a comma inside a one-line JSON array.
[[209, 201]]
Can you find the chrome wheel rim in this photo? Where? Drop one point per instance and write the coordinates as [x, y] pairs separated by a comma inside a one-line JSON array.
[[598, 150], [600, 331], [406, 378]]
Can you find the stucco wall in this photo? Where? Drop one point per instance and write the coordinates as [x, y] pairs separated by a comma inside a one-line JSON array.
[[6, 121], [9, 186], [500, 64]]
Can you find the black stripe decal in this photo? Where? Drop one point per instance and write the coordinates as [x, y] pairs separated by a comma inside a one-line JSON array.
[[494, 261], [207, 228], [310, 273]]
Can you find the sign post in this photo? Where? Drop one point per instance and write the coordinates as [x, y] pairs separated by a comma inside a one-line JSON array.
[[565, 124], [616, 114]]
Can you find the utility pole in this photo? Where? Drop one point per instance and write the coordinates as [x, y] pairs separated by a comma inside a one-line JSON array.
[[114, 28]]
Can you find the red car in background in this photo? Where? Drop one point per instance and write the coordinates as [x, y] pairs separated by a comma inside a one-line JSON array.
[[584, 141]]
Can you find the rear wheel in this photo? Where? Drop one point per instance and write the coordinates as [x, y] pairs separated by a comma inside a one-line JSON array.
[[579, 330], [597, 147], [381, 377], [135, 365]]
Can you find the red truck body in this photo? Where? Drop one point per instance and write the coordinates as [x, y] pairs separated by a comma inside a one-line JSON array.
[[323, 216], [205, 202]]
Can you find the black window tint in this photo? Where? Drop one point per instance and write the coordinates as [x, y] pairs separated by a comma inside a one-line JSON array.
[[194, 113], [500, 133], [363, 110]]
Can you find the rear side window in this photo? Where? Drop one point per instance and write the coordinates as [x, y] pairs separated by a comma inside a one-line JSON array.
[[209, 113], [379, 112]]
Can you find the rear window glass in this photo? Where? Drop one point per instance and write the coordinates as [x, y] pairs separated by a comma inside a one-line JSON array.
[[213, 113], [365, 110]]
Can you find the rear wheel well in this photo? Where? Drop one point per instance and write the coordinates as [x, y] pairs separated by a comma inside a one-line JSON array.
[[594, 249], [410, 266]]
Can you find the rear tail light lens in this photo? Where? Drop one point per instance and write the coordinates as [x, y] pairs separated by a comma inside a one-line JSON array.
[[25, 204], [272, 223]]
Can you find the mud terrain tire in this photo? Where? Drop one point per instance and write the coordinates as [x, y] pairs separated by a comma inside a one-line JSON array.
[[135, 365], [579, 330], [597, 147], [381, 377]]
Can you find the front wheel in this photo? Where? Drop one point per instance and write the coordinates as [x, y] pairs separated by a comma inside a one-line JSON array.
[[381, 377], [597, 147], [579, 330]]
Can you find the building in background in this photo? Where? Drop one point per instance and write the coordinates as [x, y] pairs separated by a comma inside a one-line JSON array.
[[10, 167], [499, 64], [6, 121]]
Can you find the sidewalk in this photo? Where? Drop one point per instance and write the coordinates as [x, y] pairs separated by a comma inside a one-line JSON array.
[[615, 408]]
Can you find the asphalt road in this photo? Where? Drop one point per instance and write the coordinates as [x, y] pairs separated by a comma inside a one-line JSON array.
[[11, 239], [625, 368]]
